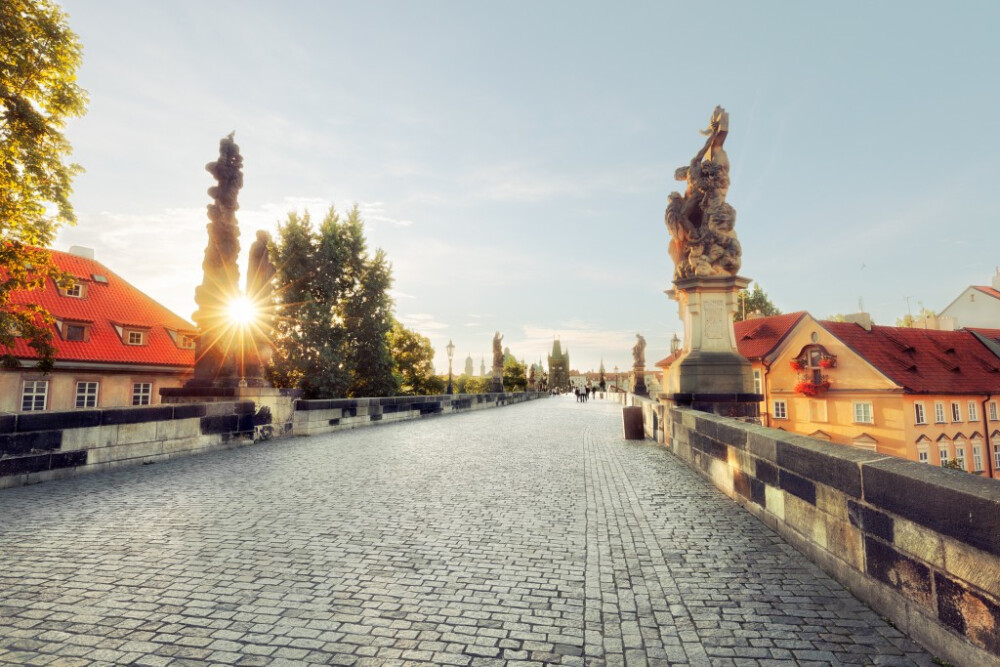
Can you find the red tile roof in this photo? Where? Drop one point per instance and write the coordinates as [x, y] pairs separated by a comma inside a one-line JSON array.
[[107, 304], [758, 337], [987, 290], [924, 361]]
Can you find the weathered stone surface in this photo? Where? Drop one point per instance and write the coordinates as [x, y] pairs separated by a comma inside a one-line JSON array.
[[950, 502], [968, 613], [833, 465], [42, 421], [797, 486], [902, 573], [136, 415], [871, 521], [973, 566], [919, 542]]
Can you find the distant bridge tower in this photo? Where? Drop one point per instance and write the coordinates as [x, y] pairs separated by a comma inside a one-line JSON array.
[[558, 367]]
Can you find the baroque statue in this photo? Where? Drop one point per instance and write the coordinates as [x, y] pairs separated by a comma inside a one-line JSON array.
[[214, 359], [639, 351], [702, 239], [497, 355]]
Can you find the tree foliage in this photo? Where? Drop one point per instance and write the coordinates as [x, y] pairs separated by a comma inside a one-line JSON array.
[[38, 95], [333, 310], [754, 301], [414, 360], [514, 378]]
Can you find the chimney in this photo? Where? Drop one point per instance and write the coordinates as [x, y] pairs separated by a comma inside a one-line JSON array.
[[81, 251], [996, 279], [754, 315], [864, 319]]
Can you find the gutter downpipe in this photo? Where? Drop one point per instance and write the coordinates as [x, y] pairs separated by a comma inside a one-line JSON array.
[[763, 388], [990, 468]]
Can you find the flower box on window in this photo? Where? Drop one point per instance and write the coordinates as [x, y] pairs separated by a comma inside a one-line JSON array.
[[796, 365], [807, 388]]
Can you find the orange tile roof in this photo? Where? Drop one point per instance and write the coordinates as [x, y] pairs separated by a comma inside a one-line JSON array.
[[987, 290], [924, 361], [105, 305]]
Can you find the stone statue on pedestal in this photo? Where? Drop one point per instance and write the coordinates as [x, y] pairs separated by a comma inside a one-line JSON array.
[[639, 366], [497, 383], [707, 257], [260, 272], [215, 361]]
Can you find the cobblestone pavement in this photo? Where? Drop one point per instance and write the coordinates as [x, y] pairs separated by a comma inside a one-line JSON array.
[[526, 535]]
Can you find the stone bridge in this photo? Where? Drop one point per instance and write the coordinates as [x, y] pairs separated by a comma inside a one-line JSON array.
[[528, 535]]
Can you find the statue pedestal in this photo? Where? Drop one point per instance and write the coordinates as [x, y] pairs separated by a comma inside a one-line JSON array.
[[496, 384], [639, 380], [711, 375]]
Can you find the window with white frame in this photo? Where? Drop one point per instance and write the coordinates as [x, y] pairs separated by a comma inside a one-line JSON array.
[[86, 394], [34, 395], [960, 454], [996, 456], [136, 338], [817, 411], [756, 381], [918, 413], [142, 393], [863, 412], [943, 454], [977, 457], [994, 414], [956, 412], [75, 291], [973, 412], [923, 454], [939, 412], [780, 410]]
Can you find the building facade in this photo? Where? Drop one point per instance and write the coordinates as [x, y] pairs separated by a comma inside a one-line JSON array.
[[924, 395], [115, 346]]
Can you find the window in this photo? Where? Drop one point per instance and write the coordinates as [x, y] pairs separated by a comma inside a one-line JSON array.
[[943, 454], [923, 454], [76, 291], [939, 412], [993, 412], [996, 456], [977, 458], [756, 381], [960, 454], [956, 412], [74, 332], [142, 393], [136, 338], [86, 394], [918, 413], [863, 412], [817, 411], [34, 395], [973, 412], [780, 410]]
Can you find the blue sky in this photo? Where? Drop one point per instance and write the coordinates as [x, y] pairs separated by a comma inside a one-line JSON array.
[[514, 159]]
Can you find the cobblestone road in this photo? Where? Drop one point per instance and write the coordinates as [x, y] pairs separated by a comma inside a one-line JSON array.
[[525, 535]]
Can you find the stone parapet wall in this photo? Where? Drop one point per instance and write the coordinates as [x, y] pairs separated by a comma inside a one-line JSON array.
[[920, 544], [329, 415], [41, 446]]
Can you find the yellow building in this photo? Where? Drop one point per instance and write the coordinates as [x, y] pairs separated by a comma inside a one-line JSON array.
[[919, 394]]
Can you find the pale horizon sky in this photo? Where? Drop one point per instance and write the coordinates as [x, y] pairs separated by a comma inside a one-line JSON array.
[[514, 159]]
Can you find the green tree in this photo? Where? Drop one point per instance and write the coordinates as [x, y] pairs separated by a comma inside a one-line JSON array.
[[414, 359], [513, 375], [334, 312], [477, 385], [754, 301], [38, 94]]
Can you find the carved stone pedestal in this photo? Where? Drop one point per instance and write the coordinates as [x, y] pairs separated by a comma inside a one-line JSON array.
[[711, 375]]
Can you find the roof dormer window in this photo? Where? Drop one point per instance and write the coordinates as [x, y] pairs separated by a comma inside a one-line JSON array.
[[75, 291], [74, 331], [134, 337]]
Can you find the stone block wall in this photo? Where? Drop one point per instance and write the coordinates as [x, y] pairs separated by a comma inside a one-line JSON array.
[[40, 446], [329, 415], [919, 544]]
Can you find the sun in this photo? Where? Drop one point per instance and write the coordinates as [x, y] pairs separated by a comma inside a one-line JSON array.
[[242, 311]]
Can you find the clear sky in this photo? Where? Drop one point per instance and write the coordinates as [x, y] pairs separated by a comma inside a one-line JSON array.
[[514, 158]]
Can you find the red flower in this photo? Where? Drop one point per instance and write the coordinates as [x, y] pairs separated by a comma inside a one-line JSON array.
[[826, 363], [795, 364]]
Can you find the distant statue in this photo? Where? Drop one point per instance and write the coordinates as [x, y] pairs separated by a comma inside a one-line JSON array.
[[700, 222], [497, 354], [260, 270], [639, 351]]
